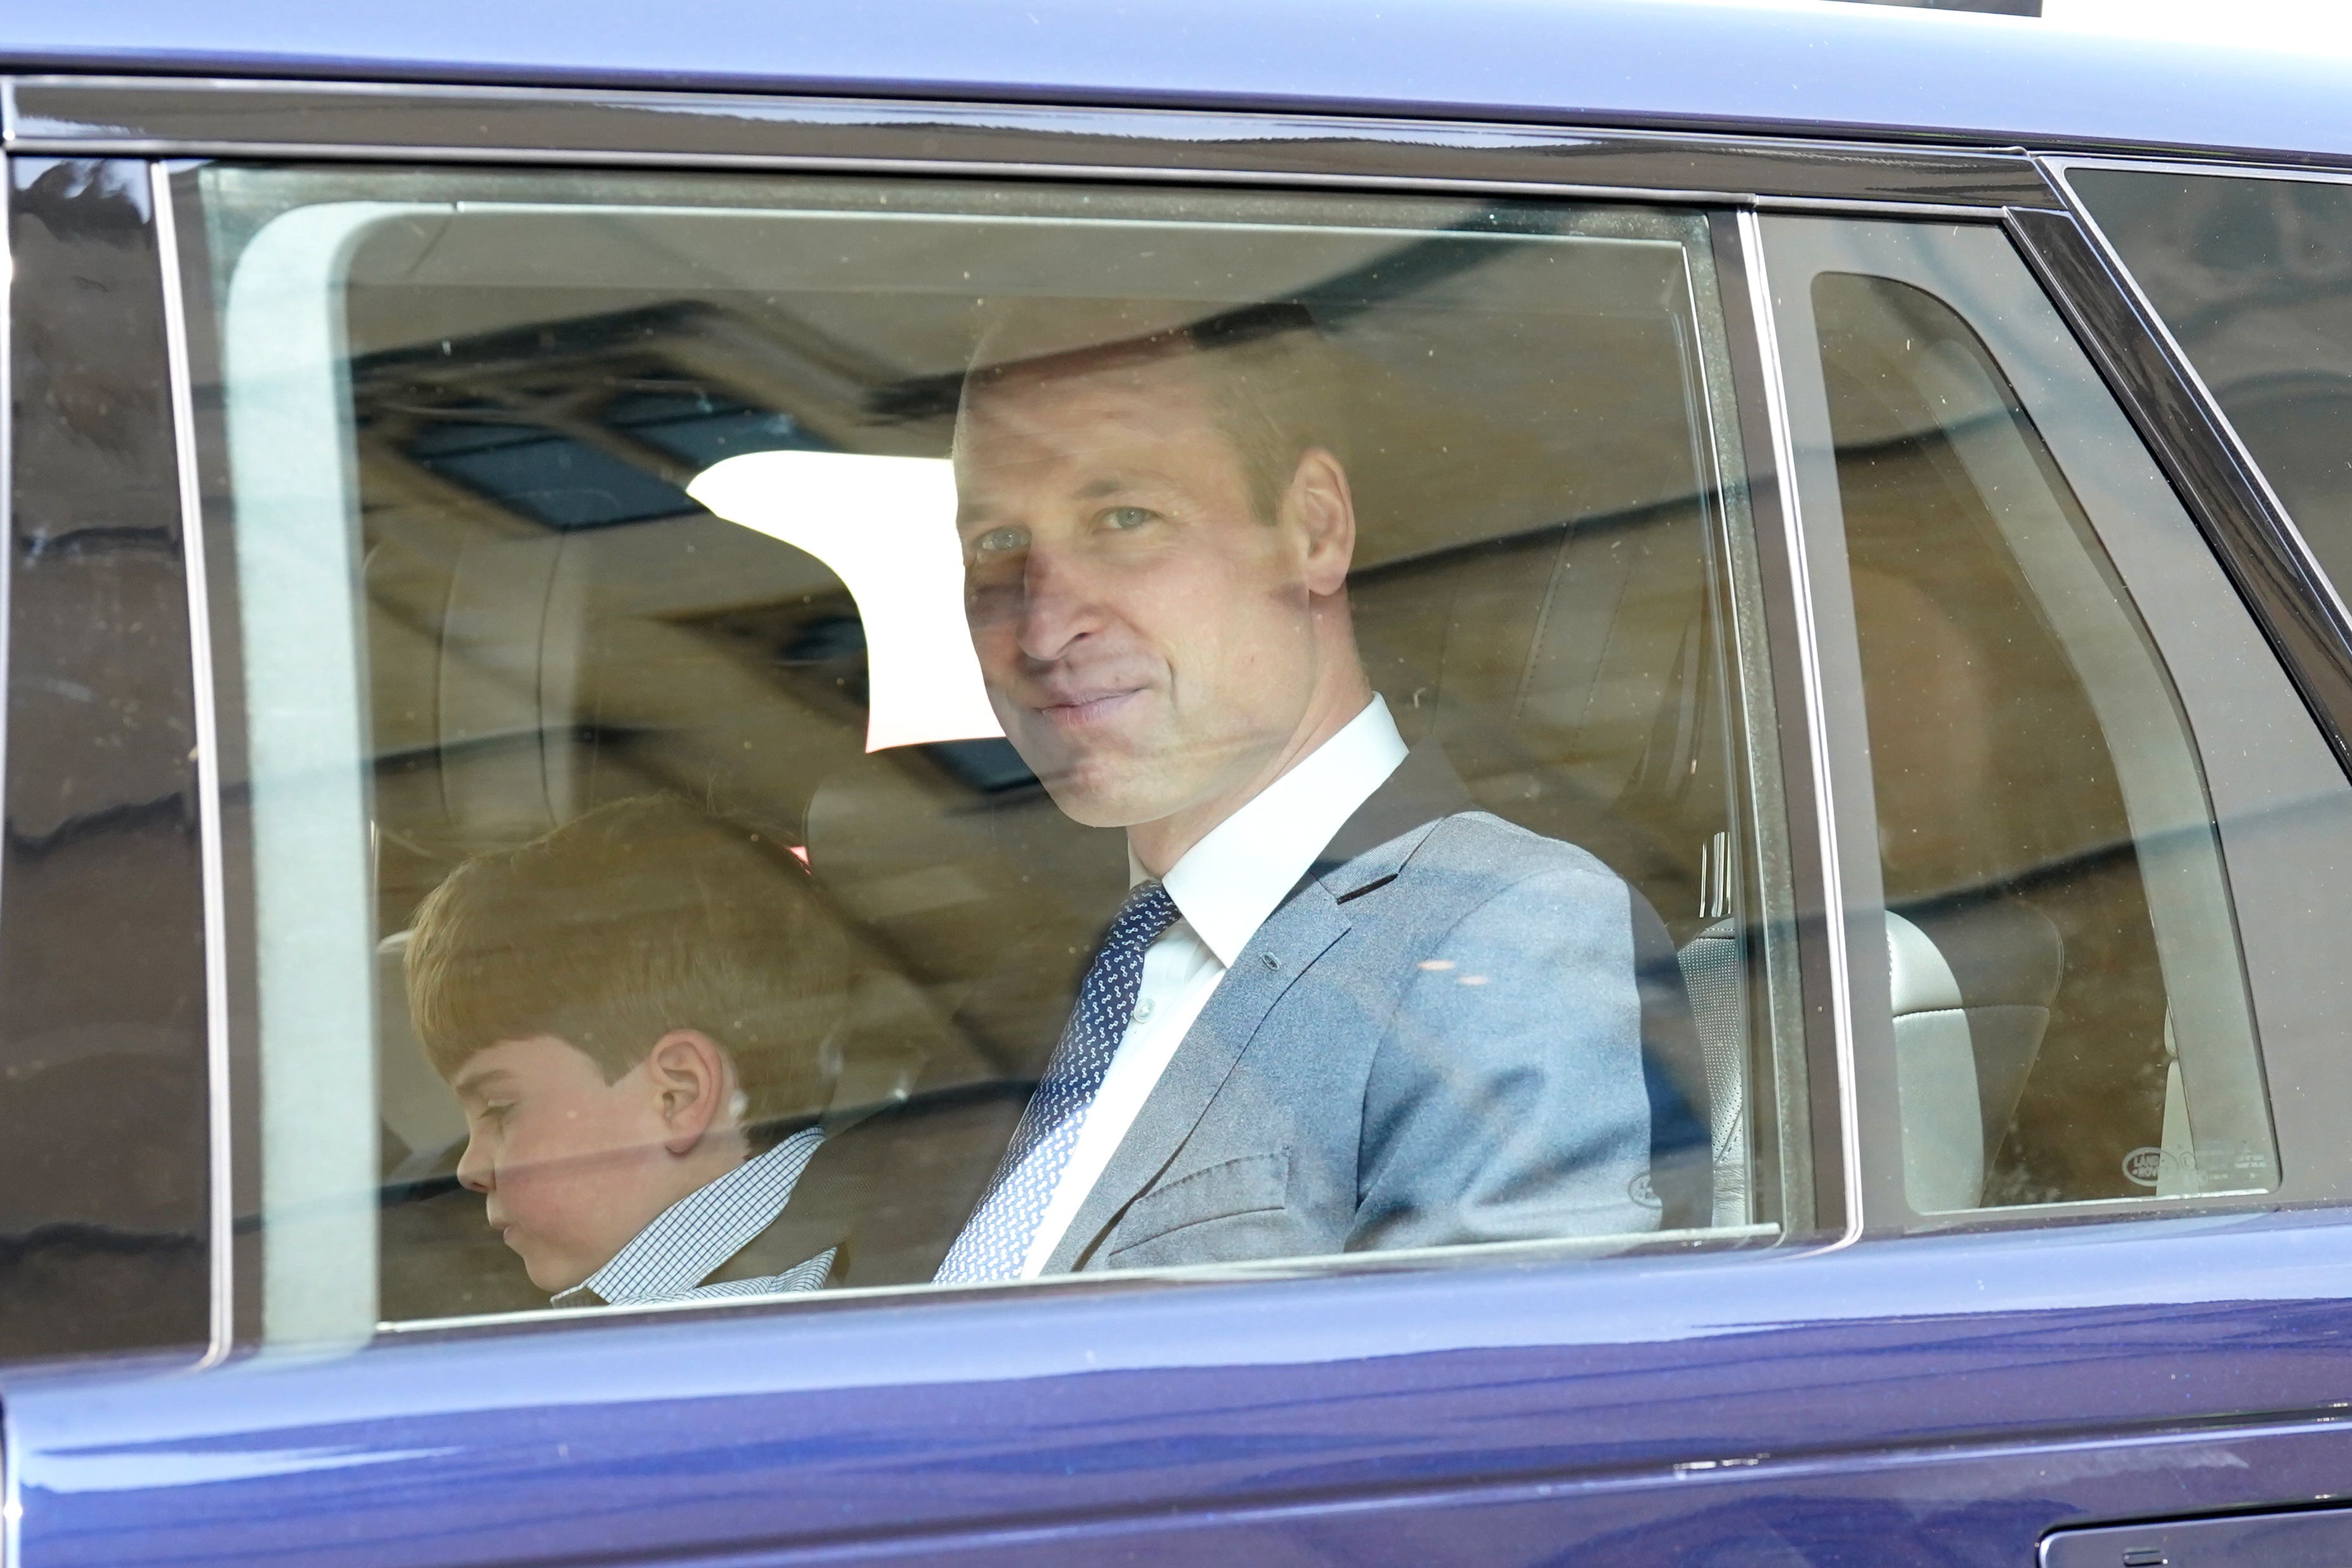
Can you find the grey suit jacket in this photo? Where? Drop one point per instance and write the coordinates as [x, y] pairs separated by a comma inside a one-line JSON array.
[[1436, 1039]]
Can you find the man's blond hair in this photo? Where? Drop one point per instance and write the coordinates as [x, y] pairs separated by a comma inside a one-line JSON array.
[[1273, 385]]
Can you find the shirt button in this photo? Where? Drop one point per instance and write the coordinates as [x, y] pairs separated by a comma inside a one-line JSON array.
[[1143, 1009]]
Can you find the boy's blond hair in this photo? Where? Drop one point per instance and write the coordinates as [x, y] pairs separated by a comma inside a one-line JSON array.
[[629, 921]]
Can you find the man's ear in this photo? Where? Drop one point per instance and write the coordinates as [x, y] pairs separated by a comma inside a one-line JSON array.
[[692, 1081], [1319, 505]]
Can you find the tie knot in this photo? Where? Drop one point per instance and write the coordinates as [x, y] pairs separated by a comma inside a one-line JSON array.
[[1148, 912]]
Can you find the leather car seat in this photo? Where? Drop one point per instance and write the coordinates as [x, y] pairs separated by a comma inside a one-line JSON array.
[[1972, 986]]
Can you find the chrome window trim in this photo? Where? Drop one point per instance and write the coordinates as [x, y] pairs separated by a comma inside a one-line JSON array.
[[157, 116], [220, 1199], [902, 168], [1715, 1241], [1807, 655], [2060, 173]]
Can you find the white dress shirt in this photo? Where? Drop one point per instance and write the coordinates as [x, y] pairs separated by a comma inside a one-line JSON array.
[[1224, 888]]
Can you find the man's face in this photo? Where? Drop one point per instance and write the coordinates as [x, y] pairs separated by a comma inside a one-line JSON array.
[[1146, 638], [570, 1166]]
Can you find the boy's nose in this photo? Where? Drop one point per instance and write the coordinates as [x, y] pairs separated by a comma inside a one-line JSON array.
[[474, 1167]]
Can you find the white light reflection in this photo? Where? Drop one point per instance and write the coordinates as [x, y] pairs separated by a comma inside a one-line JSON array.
[[887, 527]]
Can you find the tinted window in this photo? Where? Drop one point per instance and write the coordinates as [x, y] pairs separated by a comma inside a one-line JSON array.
[[2253, 277], [618, 558], [2069, 721], [2005, 838]]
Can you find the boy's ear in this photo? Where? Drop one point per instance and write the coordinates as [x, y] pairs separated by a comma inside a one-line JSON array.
[[691, 1081]]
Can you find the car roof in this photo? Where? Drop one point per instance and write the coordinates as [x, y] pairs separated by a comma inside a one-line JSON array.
[[1783, 68]]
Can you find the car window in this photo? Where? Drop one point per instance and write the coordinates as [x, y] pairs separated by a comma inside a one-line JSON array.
[[2252, 277], [2067, 718], [637, 580]]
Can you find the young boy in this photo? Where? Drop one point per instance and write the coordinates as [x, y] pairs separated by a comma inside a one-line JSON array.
[[637, 1014]]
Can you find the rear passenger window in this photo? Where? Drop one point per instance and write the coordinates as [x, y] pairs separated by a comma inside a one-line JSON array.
[[692, 639], [2043, 645]]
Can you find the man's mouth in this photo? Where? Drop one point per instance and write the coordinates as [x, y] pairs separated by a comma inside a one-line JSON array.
[[1085, 711]]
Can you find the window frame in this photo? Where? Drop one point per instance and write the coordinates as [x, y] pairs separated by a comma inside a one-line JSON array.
[[2307, 1171], [1737, 176], [331, 1310]]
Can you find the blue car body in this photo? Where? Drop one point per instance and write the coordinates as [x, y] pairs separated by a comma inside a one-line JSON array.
[[1982, 81], [1946, 1398]]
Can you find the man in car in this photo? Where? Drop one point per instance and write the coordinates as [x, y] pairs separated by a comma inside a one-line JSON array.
[[1339, 1009]]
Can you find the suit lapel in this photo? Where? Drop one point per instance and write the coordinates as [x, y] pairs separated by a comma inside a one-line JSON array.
[[1292, 939], [1368, 851]]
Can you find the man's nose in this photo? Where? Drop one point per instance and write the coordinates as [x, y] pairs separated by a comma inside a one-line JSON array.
[[474, 1166], [1058, 606]]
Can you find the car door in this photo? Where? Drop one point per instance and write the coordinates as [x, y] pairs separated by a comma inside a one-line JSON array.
[[1653, 473]]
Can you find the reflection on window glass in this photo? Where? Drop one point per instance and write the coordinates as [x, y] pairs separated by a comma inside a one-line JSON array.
[[906, 734], [886, 527], [2253, 277], [2064, 962]]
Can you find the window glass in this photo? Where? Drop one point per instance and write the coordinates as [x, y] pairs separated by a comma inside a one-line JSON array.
[[2067, 1016], [2254, 278], [638, 581]]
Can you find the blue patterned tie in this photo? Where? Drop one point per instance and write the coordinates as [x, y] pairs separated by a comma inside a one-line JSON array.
[[995, 1241]]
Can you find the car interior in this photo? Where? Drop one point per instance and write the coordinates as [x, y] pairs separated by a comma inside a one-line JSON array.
[[2029, 999], [552, 624], [1548, 587]]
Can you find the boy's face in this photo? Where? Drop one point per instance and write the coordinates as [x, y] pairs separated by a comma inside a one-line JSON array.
[[572, 1167]]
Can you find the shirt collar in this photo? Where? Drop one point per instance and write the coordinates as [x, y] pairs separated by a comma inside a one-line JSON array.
[[1228, 883], [681, 1245]]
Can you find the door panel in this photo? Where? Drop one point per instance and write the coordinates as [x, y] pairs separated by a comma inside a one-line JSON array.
[[2022, 1380]]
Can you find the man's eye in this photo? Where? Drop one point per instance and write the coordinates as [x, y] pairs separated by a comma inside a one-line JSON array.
[[1000, 542], [1122, 517]]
